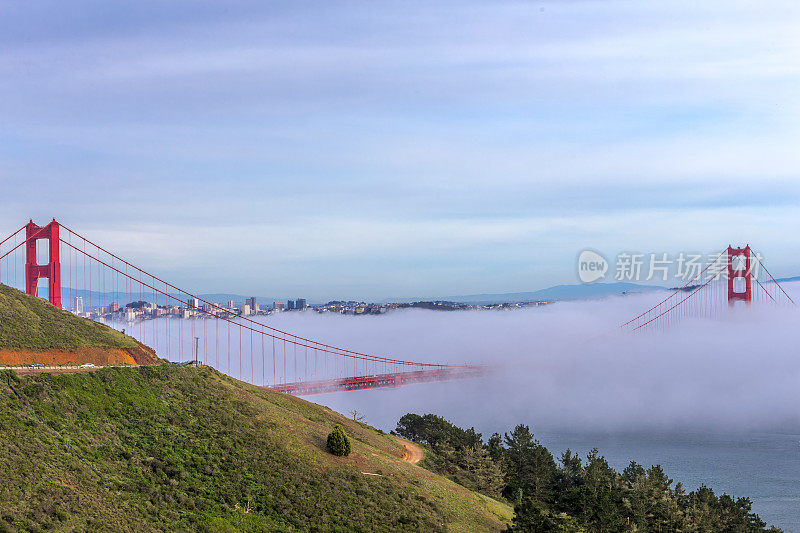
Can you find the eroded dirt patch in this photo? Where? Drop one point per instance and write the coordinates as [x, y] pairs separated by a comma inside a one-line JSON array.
[[140, 355]]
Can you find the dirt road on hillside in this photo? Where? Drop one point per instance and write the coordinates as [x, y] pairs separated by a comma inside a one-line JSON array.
[[59, 369], [413, 453]]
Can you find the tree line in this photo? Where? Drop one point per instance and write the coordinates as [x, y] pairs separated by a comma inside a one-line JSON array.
[[572, 494]]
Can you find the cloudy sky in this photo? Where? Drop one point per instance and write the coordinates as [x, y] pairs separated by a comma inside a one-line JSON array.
[[387, 149]]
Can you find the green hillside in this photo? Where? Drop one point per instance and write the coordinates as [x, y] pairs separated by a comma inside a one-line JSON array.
[[30, 323], [180, 448]]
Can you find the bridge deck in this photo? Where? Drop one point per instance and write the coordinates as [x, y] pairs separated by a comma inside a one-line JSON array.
[[304, 388]]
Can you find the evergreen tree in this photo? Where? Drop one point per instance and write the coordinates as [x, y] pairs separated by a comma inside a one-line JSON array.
[[601, 499], [434, 430], [338, 443], [478, 472], [530, 466], [569, 478], [530, 516], [495, 447]]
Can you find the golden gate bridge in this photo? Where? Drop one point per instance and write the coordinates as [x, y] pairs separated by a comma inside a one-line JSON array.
[[283, 361], [204, 331]]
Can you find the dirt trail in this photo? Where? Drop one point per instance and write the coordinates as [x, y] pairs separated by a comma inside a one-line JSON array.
[[413, 453]]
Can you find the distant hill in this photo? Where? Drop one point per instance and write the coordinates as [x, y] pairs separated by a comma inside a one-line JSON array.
[[580, 291], [188, 449], [560, 292], [557, 292]]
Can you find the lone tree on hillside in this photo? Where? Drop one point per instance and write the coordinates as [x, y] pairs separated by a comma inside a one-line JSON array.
[[338, 443]]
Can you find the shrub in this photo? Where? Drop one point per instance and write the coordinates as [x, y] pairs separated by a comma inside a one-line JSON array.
[[338, 443]]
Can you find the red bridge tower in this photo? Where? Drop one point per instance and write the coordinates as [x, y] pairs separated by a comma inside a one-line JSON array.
[[51, 270], [737, 272]]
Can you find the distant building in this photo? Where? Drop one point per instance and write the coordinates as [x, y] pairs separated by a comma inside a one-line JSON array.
[[231, 304], [78, 305], [252, 303], [290, 305], [300, 303], [193, 303], [245, 309], [278, 306], [114, 307]]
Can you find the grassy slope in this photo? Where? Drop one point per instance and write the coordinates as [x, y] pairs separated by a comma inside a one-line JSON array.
[[30, 323], [191, 449]]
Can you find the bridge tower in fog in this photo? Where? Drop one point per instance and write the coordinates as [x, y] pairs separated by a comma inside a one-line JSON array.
[[740, 286], [50, 270], [706, 294]]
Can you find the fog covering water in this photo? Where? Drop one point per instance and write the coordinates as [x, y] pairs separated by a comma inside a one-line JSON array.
[[563, 366]]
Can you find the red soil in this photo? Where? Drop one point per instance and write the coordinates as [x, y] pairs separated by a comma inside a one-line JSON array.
[[140, 355]]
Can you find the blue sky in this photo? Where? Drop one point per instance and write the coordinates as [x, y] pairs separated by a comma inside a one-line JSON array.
[[382, 149]]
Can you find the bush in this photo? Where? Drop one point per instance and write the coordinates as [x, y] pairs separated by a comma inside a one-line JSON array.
[[338, 443]]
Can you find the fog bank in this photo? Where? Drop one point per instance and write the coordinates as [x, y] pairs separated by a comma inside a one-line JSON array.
[[563, 367]]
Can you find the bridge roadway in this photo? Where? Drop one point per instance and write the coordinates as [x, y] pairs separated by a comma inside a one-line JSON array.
[[376, 381]]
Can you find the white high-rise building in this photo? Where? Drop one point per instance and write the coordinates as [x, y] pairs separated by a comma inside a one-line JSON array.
[[78, 305]]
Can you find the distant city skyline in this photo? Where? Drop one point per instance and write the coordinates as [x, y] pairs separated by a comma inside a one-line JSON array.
[[379, 151]]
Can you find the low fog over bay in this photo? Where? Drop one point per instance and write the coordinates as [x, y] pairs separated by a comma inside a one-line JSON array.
[[564, 366]]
